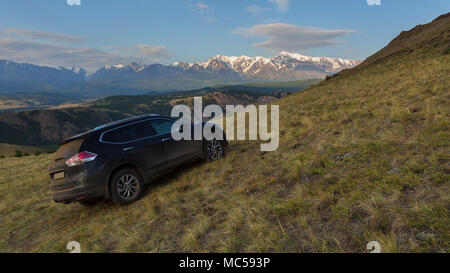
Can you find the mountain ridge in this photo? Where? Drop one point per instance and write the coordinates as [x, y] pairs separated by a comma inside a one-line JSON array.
[[138, 78], [283, 66]]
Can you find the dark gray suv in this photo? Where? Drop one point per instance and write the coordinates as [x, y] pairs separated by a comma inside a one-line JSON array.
[[114, 160]]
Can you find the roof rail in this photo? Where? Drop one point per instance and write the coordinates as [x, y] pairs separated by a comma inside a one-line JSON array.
[[124, 120]]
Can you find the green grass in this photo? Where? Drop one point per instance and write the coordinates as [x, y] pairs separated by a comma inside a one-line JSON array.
[[363, 157]]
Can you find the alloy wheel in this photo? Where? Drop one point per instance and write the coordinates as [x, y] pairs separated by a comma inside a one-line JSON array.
[[128, 186], [214, 149]]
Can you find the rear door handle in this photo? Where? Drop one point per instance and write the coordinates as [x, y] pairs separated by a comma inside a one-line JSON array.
[[128, 148]]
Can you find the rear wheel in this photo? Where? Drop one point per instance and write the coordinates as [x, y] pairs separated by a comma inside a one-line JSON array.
[[126, 187], [213, 150]]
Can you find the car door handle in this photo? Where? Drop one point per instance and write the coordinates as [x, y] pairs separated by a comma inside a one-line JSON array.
[[128, 148], [165, 139]]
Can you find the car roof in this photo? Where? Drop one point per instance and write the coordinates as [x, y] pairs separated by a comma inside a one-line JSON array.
[[109, 125], [124, 121]]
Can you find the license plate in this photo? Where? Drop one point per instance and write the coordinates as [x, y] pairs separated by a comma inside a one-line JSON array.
[[59, 175]]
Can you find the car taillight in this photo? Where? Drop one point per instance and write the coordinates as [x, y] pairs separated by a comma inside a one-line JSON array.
[[80, 158]]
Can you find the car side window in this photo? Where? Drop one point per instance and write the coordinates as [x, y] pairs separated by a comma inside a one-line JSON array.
[[129, 133], [162, 126]]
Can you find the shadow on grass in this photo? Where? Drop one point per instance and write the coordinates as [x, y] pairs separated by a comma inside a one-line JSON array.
[[174, 174], [157, 182]]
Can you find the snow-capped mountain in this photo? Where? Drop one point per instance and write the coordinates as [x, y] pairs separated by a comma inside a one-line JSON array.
[[284, 61], [284, 66], [138, 77]]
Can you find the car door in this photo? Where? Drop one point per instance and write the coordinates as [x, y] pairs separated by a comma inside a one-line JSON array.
[[176, 151], [141, 146]]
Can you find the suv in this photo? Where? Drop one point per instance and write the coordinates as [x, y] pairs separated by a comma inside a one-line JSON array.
[[114, 160]]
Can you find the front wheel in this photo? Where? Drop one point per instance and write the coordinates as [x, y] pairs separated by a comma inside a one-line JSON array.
[[126, 187], [213, 150]]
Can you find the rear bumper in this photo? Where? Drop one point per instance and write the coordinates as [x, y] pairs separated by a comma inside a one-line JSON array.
[[77, 193], [77, 185]]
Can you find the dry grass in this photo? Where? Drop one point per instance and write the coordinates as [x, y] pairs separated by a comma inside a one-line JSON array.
[[7, 150]]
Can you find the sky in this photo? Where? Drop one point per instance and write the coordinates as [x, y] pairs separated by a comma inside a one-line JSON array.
[[93, 33]]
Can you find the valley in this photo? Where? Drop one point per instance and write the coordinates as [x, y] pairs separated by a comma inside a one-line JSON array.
[[47, 127]]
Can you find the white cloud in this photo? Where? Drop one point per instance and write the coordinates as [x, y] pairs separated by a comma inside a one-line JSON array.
[[254, 9], [89, 58], [281, 36], [146, 52], [40, 35], [201, 8], [374, 2], [73, 2], [283, 5]]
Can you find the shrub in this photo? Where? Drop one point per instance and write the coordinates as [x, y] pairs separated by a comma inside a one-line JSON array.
[[37, 153], [447, 51], [18, 153]]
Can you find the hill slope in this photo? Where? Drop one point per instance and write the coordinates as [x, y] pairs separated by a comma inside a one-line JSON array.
[[363, 156]]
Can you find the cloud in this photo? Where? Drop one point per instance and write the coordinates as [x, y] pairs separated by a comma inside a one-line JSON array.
[[73, 2], [283, 5], [201, 8], [40, 35], [374, 2], [254, 9], [89, 58], [281, 36], [143, 51]]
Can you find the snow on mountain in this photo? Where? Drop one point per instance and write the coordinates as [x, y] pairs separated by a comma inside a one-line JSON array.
[[219, 69], [283, 65]]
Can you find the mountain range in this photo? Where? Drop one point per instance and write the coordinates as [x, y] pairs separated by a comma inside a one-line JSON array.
[[137, 78], [284, 66]]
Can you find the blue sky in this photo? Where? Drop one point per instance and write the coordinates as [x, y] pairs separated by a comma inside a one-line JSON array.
[[99, 32]]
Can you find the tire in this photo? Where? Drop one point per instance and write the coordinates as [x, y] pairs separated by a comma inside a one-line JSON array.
[[213, 150], [126, 187]]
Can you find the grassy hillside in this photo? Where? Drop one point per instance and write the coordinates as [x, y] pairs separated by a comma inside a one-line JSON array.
[[292, 86], [363, 156], [22, 101], [16, 150]]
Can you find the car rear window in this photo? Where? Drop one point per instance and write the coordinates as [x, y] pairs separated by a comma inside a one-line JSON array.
[[129, 133], [68, 149]]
